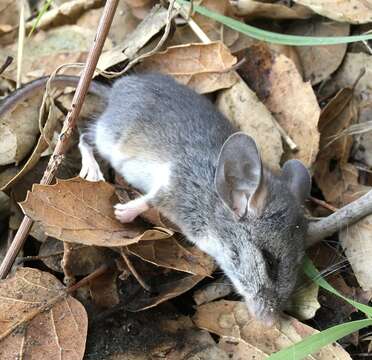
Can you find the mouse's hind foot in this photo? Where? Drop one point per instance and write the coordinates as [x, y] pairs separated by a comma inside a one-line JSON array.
[[90, 169], [126, 213]]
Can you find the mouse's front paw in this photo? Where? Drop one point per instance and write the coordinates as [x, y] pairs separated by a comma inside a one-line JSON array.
[[126, 213]]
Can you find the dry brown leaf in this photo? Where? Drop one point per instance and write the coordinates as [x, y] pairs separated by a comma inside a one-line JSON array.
[[203, 67], [252, 9], [212, 291], [231, 318], [292, 101], [351, 11], [242, 107], [171, 254], [350, 71], [81, 212], [19, 129], [319, 62], [104, 291], [84, 259], [163, 291], [38, 320]]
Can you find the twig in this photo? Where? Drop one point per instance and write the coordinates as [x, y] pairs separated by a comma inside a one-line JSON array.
[[7, 62], [68, 126], [84, 281], [343, 217], [21, 41], [134, 271], [323, 204]]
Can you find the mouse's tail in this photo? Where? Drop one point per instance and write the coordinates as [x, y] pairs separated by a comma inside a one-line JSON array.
[[59, 81]]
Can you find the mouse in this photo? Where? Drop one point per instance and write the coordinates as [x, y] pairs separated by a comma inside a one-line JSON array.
[[204, 175]]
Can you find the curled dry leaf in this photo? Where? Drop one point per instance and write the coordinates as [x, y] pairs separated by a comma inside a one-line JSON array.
[[350, 71], [136, 40], [252, 9], [171, 254], [319, 62], [351, 11], [292, 101], [163, 291], [81, 212], [38, 319], [242, 107], [231, 318], [203, 67]]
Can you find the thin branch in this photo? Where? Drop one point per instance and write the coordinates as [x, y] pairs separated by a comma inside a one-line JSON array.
[[343, 217], [68, 127]]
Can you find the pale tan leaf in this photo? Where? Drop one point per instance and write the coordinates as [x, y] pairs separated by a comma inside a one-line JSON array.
[[292, 101], [81, 212], [242, 107], [231, 318], [203, 67], [319, 62], [238, 349], [351, 11], [38, 320], [170, 253]]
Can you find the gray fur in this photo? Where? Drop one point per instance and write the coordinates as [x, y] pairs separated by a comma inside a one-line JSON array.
[[165, 121], [152, 118]]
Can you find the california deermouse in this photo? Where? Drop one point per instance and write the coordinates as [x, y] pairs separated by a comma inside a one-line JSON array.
[[207, 178]]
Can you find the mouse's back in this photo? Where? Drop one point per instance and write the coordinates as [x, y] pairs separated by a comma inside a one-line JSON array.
[[154, 112]]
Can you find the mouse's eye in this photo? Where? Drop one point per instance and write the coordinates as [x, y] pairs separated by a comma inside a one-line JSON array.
[[272, 263]]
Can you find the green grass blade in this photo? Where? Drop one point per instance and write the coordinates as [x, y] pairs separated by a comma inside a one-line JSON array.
[[272, 37], [42, 11], [312, 272], [315, 342]]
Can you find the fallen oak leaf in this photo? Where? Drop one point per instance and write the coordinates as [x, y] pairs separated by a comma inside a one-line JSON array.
[[203, 67], [81, 212], [38, 319]]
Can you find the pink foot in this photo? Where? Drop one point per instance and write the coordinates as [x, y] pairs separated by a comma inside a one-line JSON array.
[[126, 213]]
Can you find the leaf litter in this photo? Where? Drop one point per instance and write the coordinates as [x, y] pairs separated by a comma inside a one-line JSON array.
[[296, 102]]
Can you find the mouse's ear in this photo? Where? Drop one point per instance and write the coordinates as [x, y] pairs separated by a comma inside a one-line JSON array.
[[239, 175], [298, 179]]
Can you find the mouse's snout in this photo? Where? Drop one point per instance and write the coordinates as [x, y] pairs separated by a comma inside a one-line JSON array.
[[266, 312]]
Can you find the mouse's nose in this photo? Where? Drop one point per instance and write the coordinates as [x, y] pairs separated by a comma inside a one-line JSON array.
[[266, 313]]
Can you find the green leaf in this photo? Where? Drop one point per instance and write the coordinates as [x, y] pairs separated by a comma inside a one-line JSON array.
[[272, 37], [314, 342], [312, 272]]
